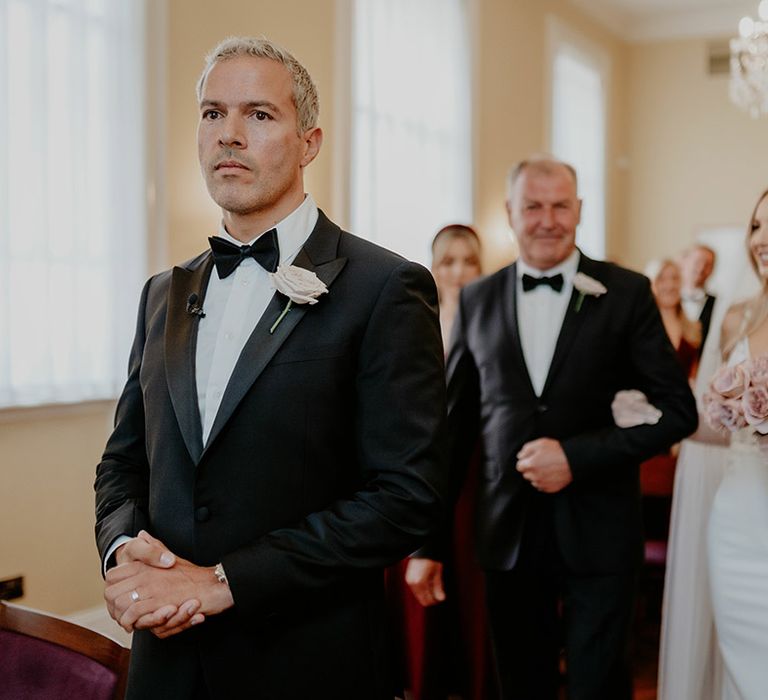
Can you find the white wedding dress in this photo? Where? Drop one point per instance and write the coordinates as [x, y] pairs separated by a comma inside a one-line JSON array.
[[738, 563]]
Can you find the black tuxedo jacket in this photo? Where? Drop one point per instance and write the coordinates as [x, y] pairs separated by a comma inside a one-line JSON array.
[[323, 465], [705, 317], [612, 342]]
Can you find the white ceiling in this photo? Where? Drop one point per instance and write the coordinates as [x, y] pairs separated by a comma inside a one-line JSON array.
[[652, 20]]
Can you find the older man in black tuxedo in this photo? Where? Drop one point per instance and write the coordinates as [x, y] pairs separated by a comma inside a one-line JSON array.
[[539, 351], [279, 439], [696, 265]]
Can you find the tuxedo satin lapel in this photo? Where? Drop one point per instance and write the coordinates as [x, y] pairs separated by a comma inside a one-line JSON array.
[[180, 347], [511, 325], [262, 345], [571, 324]]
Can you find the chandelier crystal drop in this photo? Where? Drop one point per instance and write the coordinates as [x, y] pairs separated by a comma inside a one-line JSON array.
[[749, 63]]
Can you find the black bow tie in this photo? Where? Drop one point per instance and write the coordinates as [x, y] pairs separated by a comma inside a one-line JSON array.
[[530, 282], [227, 256]]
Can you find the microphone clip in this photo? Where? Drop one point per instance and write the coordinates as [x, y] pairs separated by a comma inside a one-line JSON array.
[[192, 306]]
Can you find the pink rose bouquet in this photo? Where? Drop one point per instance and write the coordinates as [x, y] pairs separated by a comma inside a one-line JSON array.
[[738, 397]]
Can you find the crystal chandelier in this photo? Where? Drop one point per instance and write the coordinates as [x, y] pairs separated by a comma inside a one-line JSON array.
[[749, 63]]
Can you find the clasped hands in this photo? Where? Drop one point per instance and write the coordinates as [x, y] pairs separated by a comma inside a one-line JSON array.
[[152, 588], [541, 462]]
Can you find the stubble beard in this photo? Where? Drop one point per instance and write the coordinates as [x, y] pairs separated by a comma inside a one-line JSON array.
[[236, 198]]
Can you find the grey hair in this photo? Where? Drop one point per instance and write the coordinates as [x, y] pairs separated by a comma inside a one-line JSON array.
[[540, 163], [304, 91]]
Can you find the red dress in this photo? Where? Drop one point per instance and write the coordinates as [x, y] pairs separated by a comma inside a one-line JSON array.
[[688, 356], [445, 649]]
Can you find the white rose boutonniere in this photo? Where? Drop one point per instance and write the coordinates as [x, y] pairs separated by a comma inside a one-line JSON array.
[[587, 286], [299, 285]]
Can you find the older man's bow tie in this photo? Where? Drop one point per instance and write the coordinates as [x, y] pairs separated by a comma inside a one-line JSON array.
[[227, 256], [530, 282]]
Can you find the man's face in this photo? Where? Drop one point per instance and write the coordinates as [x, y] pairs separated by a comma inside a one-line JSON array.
[[697, 267], [544, 212], [250, 153]]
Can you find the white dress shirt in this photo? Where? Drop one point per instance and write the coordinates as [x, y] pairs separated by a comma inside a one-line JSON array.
[[233, 307], [693, 303], [540, 314]]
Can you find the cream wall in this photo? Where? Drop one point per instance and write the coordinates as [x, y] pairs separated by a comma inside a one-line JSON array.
[[695, 159], [46, 503]]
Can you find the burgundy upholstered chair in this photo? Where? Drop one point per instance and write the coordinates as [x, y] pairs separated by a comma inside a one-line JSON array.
[[45, 658]]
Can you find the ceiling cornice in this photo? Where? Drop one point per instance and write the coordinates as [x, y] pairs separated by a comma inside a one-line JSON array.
[[644, 25]]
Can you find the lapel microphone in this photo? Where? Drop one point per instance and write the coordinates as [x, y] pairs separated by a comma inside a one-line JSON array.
[[193, 308]]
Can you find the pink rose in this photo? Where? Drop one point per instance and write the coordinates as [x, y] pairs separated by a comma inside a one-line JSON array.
[[755, 404], [723, 413], [299, 285], [731, 382], [758, 370]]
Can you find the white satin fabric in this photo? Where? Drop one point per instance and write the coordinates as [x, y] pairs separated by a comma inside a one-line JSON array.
[[690, 665], [738, 564]]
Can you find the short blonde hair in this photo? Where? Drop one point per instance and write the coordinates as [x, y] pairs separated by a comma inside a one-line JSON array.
[[304, 91], [542, 163]]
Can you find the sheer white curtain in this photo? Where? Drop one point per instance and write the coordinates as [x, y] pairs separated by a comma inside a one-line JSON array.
[[411, 147], [72, 200], [579, 133]]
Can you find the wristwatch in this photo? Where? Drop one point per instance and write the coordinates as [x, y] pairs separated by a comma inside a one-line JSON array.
[[218, 572]]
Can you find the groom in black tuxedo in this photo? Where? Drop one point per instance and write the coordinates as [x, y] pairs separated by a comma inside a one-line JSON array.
[[273, 451], [538, 353]]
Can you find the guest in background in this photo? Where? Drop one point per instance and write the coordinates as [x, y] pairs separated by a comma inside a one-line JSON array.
[[684, 333], [445, 650], [696, 266], [455, 262]]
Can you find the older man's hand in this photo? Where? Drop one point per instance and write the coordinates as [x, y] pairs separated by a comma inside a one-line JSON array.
[[544, 464]]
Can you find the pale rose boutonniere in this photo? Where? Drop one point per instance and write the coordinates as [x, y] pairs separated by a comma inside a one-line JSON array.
[[586, 286], [299, 285]]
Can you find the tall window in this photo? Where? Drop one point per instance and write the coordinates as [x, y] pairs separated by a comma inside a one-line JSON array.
[[72, 211], [411, 147], [579, 77]]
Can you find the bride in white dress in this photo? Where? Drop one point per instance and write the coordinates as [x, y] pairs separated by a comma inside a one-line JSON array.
[[738, 524]]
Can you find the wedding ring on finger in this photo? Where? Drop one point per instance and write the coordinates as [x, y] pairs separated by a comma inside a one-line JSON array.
[[135, 596]]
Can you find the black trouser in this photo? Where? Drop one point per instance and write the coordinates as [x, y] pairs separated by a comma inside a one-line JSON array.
[[540, 604]]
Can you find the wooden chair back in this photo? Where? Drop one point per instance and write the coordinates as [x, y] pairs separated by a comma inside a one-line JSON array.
[[43, 657]]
